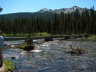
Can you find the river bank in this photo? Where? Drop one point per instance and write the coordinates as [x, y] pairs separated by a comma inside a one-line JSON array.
[[7, 66], [2, 68]]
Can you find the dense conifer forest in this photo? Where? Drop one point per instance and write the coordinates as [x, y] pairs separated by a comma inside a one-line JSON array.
[[63, 23]]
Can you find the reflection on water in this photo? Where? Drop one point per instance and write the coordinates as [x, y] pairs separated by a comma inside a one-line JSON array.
[[52, 57]]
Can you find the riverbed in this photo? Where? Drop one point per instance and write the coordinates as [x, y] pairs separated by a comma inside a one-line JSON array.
[[52, 57]]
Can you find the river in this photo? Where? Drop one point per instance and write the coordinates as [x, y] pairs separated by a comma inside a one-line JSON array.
[[52, 57]]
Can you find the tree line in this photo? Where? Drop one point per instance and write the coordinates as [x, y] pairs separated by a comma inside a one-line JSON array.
[[63, 23]]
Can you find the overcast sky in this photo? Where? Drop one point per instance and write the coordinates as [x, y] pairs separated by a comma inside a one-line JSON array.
[[14, 6]]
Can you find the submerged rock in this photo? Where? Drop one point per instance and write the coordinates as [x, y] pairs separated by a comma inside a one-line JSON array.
[[14, 57], [48, 39], [24, 52]]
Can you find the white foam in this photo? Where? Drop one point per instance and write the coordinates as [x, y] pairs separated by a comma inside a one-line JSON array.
[[36, 50]]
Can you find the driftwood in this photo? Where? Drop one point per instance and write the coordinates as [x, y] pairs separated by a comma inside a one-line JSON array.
[[28, 44], [26, 47], [76, 50]]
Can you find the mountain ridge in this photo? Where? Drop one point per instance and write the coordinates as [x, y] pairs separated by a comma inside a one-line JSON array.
[[51, 10], [44, 12], [65, 10]]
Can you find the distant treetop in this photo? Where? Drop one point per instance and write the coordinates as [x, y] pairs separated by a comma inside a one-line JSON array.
[[1, 9]]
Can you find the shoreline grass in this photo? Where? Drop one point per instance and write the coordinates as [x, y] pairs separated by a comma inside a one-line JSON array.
[[24, 35], [8, 66], [92, 37]]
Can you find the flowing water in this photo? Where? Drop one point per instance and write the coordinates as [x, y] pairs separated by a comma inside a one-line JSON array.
[[52, 57]]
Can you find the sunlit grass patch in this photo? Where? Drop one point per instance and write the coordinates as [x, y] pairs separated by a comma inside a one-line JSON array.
[[8, 66], [93, 37], [24, 35], [41, 34]]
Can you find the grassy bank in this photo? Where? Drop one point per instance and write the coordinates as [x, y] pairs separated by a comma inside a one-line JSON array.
[[8, 66], [92, 37], [24, 35]]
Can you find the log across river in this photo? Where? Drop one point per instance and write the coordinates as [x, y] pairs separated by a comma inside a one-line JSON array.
[[42, 37]]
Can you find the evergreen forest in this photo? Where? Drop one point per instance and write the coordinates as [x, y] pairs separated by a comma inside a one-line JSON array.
[[63, 23]]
